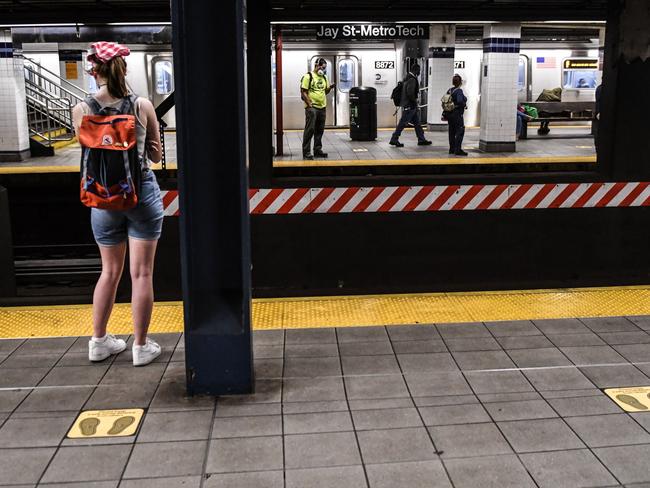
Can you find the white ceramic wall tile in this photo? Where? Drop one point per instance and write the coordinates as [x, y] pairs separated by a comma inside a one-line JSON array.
[[14, 131]]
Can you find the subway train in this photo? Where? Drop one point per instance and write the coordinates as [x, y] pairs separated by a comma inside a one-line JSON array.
[[381, 66], [566, 56]]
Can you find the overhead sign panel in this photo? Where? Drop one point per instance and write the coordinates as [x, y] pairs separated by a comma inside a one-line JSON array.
[[334, 32], [580, 64]]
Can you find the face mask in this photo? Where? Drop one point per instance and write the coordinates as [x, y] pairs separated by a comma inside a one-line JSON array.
[[322, 71]]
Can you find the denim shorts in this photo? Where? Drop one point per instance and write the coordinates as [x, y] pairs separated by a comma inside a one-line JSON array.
[[144, 221]]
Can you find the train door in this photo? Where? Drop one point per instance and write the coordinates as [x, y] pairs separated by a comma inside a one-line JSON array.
[[161, 79], [523, 80], [347, 77], [344, 71]]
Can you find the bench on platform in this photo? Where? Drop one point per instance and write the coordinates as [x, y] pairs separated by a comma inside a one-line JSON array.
[[557, 112]]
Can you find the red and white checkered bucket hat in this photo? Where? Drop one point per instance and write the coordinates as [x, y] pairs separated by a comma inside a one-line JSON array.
[[104, 51]]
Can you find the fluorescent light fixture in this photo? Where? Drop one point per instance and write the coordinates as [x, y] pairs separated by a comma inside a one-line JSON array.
[[600, 22], [316, 22], [137, 23], [39, 25], [152, 24]]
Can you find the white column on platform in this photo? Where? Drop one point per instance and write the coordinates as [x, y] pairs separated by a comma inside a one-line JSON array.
[[501, 44], [442, 41], [14, 132]]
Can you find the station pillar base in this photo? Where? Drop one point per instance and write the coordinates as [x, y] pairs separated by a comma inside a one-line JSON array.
[[494, 146], [14, 156], [444, 127]]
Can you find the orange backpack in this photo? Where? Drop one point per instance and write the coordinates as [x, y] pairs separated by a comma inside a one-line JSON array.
[[111, 168]]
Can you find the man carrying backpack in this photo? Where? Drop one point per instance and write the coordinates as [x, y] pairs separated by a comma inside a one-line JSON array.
[[409, 104], [454, 103], [314, 87]]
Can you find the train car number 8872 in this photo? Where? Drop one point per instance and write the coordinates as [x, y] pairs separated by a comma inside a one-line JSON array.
[[384, 64]]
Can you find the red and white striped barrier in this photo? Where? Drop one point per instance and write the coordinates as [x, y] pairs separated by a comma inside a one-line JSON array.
[[281, 201]]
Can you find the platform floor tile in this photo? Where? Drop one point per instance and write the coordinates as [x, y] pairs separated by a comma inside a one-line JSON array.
[[376, 419]]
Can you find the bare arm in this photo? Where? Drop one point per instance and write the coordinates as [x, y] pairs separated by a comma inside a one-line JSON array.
[[152, 141], [77, 115]]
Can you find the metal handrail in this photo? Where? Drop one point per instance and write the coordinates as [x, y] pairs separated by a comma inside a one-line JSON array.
[[49, 86], [46, 114], [49, 103], [57, 77], [59, 109]]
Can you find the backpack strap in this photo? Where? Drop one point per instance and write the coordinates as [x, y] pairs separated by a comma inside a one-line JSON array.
[[128, 104], [93, 104]]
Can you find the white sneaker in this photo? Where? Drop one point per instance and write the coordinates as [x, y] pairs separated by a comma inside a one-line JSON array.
[[143, 355], [100, 349]]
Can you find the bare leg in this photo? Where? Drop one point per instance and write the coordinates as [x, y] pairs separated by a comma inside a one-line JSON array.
[[104, 295], [141, 257]]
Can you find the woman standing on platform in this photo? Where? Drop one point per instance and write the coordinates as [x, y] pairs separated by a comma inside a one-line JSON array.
[[140, 226]]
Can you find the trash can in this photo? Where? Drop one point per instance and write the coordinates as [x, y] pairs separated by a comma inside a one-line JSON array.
[[363, 113]]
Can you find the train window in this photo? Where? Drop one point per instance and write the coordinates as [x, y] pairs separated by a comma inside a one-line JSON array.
[[521, 70], [164, 77], [580, 79], [347, 75]]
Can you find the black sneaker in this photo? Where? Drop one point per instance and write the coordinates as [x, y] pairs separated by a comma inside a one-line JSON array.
[[307, 156], [451, 151], [424, 143], [396, 144], [320, 154], [460, 152]]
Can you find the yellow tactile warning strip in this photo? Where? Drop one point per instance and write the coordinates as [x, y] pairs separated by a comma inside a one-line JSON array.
[[434, 161], [15, 170], [299, 163], [106, 423], [411, 129], [633, 399], [365, 310]]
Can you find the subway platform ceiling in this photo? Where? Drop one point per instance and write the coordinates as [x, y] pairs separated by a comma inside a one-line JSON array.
[[89, 11]]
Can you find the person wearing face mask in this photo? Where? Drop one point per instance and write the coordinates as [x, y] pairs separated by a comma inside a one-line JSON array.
[[314, 87], [409, 104]]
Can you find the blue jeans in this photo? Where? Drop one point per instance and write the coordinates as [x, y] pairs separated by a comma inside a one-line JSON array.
[[408, 115], [144, 221], [520, 118]]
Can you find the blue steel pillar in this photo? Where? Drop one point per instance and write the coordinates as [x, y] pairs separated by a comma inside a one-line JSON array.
[[208, 43]]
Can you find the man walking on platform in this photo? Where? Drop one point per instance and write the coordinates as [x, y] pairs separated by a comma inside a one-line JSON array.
[[409, 104], [314, 87]]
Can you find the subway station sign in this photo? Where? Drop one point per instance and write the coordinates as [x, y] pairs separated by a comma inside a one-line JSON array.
[[334, 32]]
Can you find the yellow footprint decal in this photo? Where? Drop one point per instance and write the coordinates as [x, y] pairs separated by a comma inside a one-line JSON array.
[[632, 402], [89, 426], [120, 424]]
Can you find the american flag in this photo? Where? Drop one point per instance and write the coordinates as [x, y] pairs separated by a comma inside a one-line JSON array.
[[546, 62]]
